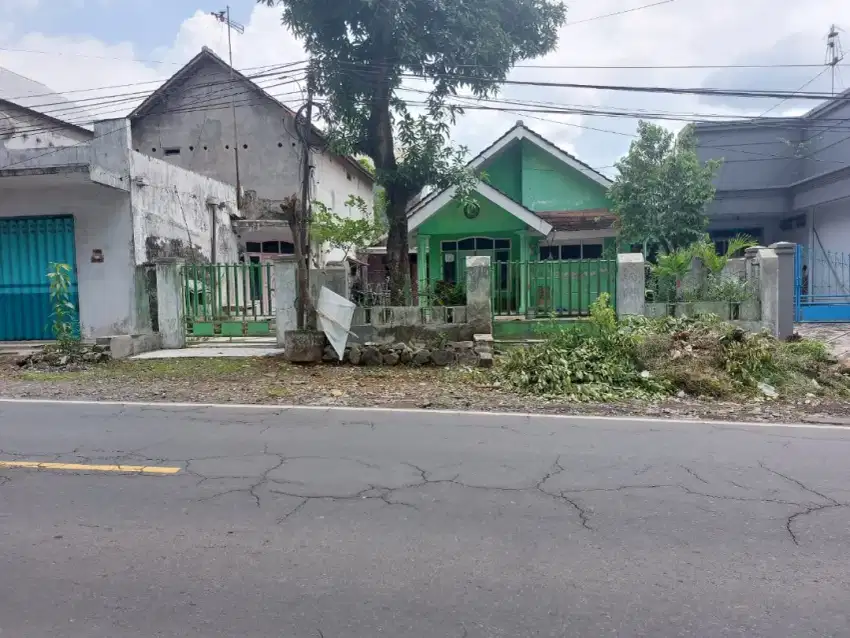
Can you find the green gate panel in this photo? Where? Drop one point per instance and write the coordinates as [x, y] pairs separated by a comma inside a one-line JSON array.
[[28, 245]]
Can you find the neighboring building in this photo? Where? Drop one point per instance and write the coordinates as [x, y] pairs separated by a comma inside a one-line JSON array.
[[538, 203], [189, 122], [783, 179], [23, 103], [92, 202]]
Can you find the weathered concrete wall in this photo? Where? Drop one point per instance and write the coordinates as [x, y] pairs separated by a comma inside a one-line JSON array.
[[22, 130], [102, 221], [177, 213], [130, 208], [201, 140]]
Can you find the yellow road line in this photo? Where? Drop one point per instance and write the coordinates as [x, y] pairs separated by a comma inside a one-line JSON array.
[[79, 467]]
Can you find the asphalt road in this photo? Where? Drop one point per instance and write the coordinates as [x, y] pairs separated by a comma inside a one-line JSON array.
[[316, 523]]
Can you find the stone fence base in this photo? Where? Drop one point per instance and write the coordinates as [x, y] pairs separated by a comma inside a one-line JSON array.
[[475, 352]]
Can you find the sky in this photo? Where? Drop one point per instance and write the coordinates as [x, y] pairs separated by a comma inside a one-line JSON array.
[[77, 47]]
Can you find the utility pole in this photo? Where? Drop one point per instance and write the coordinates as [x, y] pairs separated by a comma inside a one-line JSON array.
[[834, 51], [301, 227], [232, 25]]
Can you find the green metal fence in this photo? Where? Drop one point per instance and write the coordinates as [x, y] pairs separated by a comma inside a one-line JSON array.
[[229, 300], [551, 288]]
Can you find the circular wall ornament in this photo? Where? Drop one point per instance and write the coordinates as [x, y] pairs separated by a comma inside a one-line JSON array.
[[471, 210]]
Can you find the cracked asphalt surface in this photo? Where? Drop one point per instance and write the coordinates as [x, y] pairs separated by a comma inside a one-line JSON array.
[[340, 523]]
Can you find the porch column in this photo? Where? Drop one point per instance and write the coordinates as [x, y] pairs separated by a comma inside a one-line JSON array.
[[170, 306], [422, 242], [524, 259]]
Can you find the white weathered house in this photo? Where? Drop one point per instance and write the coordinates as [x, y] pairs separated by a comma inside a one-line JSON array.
[[86, 198], [189, 122]]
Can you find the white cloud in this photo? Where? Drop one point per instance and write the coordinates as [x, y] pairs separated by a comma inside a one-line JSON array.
[[686, 32]]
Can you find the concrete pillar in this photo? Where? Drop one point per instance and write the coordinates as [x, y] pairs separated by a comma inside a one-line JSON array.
[[750, 262], [422, 242], [631, 284], [171, 302], [780, 288], [285, 294], [695, 280], [524, 268], [479, 309]]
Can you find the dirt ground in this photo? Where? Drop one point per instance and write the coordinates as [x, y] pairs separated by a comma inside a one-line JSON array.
[[271, 381]]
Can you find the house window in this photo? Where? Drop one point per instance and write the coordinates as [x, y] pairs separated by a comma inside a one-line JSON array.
[[591, 251], [454, 254], [565, 252], [171, 152], [550, 252]]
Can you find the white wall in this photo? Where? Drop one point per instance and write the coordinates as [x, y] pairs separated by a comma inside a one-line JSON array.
[[832, 223], [102, 221], [334, 181], [170, 207], [22, 130]]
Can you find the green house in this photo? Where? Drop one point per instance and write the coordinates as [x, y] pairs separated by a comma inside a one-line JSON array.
[[542, 218]]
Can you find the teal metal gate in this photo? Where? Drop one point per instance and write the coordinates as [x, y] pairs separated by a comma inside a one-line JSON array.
[[28, 245]]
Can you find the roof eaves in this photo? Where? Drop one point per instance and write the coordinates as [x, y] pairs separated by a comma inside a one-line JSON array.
[[49, 118]]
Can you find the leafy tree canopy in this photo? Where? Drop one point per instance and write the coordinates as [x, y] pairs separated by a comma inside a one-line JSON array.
[[662, 190], [363, 50]]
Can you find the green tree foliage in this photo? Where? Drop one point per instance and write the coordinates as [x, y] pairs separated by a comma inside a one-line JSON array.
[[662, 190], [362, 51], [349, 234]]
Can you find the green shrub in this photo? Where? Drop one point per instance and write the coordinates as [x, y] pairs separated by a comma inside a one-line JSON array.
[[648, 358], [597, 364]]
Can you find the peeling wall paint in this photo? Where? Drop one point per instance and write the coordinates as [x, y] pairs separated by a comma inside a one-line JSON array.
[[176, 211]]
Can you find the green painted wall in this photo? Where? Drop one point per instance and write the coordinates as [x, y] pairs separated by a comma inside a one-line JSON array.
[[451, 220], [504, 172], [549, 184]]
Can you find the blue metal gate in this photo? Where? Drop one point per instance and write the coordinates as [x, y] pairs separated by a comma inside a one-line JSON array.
[[28, 245], [821, 286]]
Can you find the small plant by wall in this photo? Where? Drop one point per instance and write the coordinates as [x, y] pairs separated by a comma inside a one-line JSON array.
[[64, 322]]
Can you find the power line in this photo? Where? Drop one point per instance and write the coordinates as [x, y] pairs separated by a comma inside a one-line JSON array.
[[619, 13]]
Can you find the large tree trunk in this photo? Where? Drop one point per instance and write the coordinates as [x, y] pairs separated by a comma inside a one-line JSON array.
[[398, 260], [383, 154]]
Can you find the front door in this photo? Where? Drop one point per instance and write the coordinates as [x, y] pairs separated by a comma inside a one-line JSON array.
[[28, 245]]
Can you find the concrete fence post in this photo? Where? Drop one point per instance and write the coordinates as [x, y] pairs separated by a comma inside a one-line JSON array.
[[750, 262], [631, 284], [784, 288], [695, 280], [479, 305], [170, 302], [285, 293]]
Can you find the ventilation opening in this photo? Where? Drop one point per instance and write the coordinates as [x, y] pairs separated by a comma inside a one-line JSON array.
[[170, 152]]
